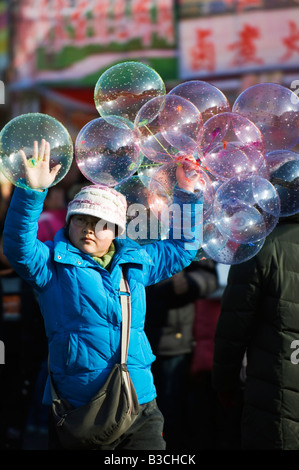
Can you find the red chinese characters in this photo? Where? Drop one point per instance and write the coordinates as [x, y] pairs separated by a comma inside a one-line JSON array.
[[245, 48], [203, 54], [291, 42]]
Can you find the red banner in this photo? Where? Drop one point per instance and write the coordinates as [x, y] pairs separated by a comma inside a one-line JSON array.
[[251, 41]]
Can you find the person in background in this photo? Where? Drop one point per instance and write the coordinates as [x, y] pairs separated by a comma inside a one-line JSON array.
[[22, 332], [260, 317], [204, 416], [169, 327]]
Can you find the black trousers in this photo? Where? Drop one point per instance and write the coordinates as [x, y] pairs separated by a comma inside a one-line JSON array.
[[146, 433]]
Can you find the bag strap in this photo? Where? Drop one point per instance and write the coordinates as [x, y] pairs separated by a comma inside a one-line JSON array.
[[125, 301]]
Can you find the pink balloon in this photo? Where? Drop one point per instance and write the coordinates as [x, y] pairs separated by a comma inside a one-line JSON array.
[[232, 146], [274, 109], [206, 97]]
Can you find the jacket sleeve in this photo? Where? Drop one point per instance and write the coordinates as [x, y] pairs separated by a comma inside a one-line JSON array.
[[239, 313], [173, 254], [26, 254]]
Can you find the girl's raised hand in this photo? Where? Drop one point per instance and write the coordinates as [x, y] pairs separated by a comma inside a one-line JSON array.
[[37, 169], [186, 173]]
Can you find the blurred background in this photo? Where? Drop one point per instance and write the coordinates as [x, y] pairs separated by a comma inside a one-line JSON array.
[[52, 53]]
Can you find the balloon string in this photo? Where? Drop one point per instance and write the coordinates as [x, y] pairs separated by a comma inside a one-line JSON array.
[[158, 141]]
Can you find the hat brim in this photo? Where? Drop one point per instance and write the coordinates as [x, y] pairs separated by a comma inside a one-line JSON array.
[[91, 212]]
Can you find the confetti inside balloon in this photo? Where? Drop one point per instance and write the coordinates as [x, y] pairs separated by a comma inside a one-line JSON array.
[[106, 151], [124, 88], [142, 225], [168, 126], [223, 250], [284, 175], [206, 97], [274, 109], [246, 209], [232, 146], [162, 190], [20, 134]]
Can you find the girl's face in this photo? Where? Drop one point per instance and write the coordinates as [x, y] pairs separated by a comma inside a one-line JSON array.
[[83, 236]]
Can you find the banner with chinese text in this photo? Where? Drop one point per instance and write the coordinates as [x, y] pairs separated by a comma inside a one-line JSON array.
[[243, 42]]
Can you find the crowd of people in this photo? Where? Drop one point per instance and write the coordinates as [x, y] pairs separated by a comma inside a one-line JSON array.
[[222, 369]]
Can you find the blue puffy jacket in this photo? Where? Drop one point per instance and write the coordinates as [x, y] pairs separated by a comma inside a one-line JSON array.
[[79, 300]]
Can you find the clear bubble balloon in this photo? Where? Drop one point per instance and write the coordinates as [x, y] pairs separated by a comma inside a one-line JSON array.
[[246, 209], [124, 88], [284, 175], [274, 109], [223, 250], [142, 225], [106, 151], [168, 126], [146, 170], [206, 97], [232, 146], [20, 134], [235, 159], [162, 191]]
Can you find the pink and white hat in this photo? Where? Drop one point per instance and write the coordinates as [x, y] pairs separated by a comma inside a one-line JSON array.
[[102, 202]]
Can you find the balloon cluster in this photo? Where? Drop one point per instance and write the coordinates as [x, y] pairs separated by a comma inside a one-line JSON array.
[[243, 157]]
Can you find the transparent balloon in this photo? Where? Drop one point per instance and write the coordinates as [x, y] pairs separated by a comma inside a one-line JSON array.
[[166, 127], [142, 225], [223, 250], [274, 109], [284, 175], [124, 88], [246, 209], [146, 170], [232, 145], [20, 134], [235, 159], [106, 151], [164, 192], [206, 97]]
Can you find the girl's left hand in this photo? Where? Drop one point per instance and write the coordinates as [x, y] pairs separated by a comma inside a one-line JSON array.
[[37, 169]]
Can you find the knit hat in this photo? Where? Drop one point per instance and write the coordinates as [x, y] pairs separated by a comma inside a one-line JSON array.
[[102, 202]]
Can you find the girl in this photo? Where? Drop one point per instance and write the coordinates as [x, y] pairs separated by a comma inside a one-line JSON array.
[[77, 278]]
